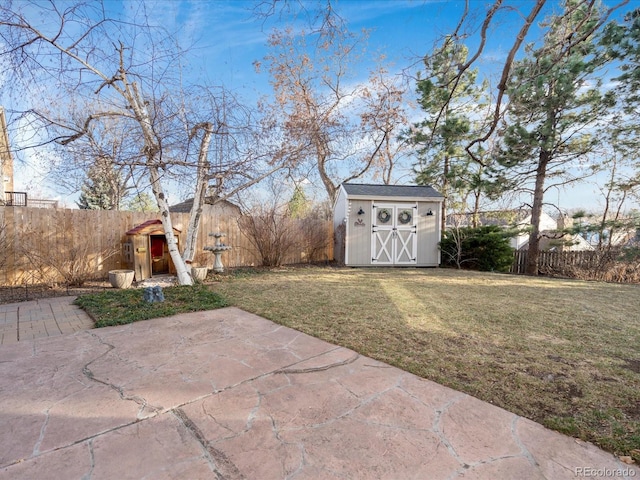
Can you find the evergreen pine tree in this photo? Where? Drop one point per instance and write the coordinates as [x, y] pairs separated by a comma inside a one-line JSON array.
[[550, 110], [103, 188], [142, 202], [450, 102], [298, 205]]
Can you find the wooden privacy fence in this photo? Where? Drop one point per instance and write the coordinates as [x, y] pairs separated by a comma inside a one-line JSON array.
[[555, 261], [33, 236]]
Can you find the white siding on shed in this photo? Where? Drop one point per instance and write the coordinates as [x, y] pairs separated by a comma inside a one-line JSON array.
[[358, 238], [354, 210]]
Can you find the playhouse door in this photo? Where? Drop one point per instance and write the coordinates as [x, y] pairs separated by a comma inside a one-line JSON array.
[[394, 240], [159, 254]]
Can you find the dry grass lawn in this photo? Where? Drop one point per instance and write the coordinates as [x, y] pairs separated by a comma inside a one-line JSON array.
[[561, 352]]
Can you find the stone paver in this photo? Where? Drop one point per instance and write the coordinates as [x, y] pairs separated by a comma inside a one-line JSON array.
[[46, 317], [227, 394]]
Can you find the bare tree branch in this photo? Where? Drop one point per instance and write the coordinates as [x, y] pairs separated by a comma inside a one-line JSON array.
[[502, 85]]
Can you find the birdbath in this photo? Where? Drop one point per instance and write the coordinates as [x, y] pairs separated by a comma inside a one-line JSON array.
[[217, 250]]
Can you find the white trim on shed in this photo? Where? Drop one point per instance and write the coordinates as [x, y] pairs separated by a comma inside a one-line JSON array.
[[390, 225]]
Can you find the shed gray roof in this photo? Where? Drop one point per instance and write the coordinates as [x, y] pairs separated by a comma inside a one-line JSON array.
[[379, 191]]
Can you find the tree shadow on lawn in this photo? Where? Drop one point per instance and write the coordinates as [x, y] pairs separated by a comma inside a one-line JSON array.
[[542, 355]]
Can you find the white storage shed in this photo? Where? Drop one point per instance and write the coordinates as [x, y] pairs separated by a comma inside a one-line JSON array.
[[387, 225]]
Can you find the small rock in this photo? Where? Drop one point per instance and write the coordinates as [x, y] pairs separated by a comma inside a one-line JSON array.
[[626, 459], [153, 294]]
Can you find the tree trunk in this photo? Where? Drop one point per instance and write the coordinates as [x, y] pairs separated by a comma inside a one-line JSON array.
[[139, 106], [331, 189], [533, 253], [172, 244], [476, 209], [200, 194], [445, 193]]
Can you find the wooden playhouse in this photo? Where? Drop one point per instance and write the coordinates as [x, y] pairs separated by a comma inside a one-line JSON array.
[[146, 251], [387, 225]]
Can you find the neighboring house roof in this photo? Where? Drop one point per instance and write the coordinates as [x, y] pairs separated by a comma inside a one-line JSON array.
[[577, 243], [398, 191], [185, 207], [150, 227]]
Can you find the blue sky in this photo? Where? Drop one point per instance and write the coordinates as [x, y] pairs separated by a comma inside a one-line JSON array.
[[226, 39]]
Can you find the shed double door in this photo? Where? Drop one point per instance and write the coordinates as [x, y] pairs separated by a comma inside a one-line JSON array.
[[394, 238]]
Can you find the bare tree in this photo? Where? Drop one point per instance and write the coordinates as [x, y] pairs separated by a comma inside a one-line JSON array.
[[128, 71], [278, 227], [623, 184], [340, 124], [6, 161], [384, 116], [268, 224]]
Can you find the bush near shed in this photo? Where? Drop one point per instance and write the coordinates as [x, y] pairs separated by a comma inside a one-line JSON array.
[[483, 248]]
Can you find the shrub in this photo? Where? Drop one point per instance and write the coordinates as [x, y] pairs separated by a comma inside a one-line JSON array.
[[272, 233], [484, 248], [69, 264], [276, 235], [619, 265], [315, 236]]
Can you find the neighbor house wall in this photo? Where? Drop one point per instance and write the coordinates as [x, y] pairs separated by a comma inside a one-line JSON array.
[[546, 223]]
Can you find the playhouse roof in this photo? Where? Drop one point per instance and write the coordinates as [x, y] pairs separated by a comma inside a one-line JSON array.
[[150, 227], [398, 191]]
